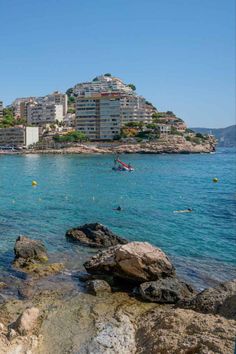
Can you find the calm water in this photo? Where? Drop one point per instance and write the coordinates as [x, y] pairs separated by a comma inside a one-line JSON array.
[[74, 189]]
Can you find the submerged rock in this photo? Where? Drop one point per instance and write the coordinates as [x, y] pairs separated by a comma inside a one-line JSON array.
[[137, 262], [94, 235], [98, 287], [30, 249], [219, 300], [166, 291]]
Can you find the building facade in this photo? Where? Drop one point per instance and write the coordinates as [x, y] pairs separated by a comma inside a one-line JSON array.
[[19, 136], [44, 113], [98, 116], [57, 98]]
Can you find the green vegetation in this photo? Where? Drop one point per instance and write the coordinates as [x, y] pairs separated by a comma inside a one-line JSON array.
[[70, 137], [71, 110], [107, 74], [71, 99], [132, 86], [8, 119], [69, 92]]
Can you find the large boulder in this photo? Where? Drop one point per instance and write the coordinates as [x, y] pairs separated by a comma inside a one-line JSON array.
[[219, 300], [166, 291], [94, 235], [136, 261], [30, 249]]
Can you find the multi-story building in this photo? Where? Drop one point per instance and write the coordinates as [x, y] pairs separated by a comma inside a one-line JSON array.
[[58, 99], [1, 110], [20, 107], [94, 96], [19, 136], [44, 113], [98, 116]]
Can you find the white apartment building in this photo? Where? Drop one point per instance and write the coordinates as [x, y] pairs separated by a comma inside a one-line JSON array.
[[44, 113], [19, 136], [98, 116], [1, 110]]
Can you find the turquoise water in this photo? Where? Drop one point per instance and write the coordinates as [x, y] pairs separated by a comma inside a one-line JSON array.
[[75, 189]]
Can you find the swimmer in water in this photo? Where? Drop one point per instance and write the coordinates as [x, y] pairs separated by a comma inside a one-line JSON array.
[[189, 210], [118, 208]]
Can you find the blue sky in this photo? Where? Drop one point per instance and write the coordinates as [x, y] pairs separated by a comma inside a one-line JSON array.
[[180, 54]]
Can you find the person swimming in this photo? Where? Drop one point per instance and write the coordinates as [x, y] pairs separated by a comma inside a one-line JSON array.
[[189, 210], [118, 208]]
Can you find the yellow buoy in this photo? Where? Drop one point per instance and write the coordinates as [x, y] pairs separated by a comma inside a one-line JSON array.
[[34, 183], [215, 180]]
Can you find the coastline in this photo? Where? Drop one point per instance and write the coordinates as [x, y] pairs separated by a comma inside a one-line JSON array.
[[167, 145]]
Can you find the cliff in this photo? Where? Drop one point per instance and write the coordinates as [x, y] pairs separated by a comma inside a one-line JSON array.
[[226, 136]]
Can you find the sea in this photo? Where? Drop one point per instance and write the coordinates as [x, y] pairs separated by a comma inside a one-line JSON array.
[[76, 189]]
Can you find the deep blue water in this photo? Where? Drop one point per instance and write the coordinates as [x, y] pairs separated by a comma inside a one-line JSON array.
[[75, 189]]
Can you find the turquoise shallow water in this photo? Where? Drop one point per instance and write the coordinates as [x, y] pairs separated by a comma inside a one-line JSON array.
[[75, 189]]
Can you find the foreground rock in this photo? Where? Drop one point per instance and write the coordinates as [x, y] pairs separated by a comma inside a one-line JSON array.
[[219, 300], [137, 262], [31, 257], [166, 291], [94, 235], [26, 248], [27, 321], [179, 331]]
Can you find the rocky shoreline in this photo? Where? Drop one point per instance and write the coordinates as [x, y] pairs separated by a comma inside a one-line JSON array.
[[169, 145], [131, 301]]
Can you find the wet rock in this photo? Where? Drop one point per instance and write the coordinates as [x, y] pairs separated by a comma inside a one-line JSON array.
[[26, 290], [219, 300], [25, 248], [137, 262], [172, 331], [94, 235], [98, 287], [166, 291], [26, 322]]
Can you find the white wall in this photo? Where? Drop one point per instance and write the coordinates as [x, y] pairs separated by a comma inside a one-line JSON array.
[[31, 135]]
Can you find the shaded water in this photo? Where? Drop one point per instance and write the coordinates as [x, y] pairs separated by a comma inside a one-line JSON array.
[[75, 189]]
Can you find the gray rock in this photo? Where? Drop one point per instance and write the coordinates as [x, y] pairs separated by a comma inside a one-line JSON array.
[[166, 291], [26, 248], [219, 300], [96, 287], [136, 262], [94, 235]]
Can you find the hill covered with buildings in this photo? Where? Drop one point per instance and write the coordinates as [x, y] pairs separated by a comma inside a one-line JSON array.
[[103, 109]]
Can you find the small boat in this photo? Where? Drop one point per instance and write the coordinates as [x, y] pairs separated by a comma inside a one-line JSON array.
[[121, 166]]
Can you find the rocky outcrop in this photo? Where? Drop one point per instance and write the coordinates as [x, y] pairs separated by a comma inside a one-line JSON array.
[[219, 300], [98, 287], [94, 235], [25, 248], [137, 262], [172, 331], [31, 257], [166, 291]]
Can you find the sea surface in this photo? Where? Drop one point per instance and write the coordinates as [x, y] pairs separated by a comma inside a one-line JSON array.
[[77, 189]]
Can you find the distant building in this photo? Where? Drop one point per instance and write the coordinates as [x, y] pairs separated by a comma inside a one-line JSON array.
[[1, 110], [58, 99], [19, 106], [98, 116], [44, 113], [19, 136], [106, 104], [164, 128]]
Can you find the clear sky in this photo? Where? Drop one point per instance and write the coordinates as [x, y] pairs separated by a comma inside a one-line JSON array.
[[180, 54]]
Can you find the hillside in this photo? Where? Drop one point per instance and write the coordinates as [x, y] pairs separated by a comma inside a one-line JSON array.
[[226, 136]]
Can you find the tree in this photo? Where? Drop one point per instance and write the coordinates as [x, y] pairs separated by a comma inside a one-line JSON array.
[[132, 86], [170, 113], [107, 74], [69, 92], [71, 99]]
